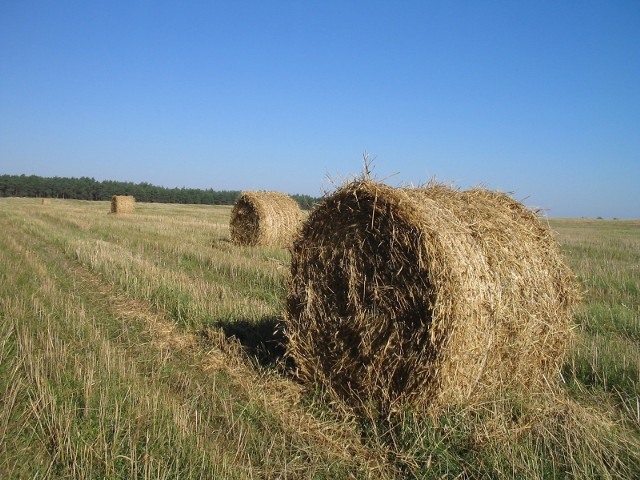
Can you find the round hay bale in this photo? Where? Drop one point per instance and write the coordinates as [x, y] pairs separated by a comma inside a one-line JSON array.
[[123, 204], [431, 296], [264, 218]]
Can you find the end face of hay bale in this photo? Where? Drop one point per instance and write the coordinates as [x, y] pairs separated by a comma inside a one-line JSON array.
[[265, 219], [429, 296], [123, 204]]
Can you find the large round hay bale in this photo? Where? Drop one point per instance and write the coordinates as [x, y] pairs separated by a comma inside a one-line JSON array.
[[123, 204], [431, 295], [264, 218]]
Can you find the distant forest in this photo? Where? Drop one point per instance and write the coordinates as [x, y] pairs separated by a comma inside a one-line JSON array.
[[85, 188]]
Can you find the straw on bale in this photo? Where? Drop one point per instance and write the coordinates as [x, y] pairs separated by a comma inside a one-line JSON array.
[[123, 204], [264, 218], [431, 296], [46, 201]]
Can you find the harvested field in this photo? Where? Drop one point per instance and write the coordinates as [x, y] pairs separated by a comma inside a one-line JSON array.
[[152, 347]]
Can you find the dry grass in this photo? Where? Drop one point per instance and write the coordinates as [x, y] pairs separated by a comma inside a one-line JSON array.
[[264, 218], [431, 296]]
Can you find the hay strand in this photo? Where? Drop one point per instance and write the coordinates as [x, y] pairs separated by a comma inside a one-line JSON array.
[[264, 218], [430, 295]]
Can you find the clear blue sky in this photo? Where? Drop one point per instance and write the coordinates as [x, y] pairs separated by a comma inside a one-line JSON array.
[[541, 98]]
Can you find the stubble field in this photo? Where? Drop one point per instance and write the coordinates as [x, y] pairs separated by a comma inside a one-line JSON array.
[[149, 346]]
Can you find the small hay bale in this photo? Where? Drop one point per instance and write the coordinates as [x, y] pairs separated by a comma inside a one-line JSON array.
[[429, 296], [123, 204], [264, 218], [46, 201]]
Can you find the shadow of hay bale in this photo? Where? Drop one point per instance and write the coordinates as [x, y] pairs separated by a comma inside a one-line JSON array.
[[263, 340], [430, 296]]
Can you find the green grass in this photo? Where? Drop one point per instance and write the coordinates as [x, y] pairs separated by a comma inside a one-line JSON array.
[[148, 346], [606, 360]]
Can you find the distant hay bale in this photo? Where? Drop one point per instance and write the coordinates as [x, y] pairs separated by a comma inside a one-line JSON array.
[[264, 218], [431, 296], [46, 201], [123, 204]]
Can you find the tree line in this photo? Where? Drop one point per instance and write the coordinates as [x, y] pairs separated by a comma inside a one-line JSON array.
[[85, 188]]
